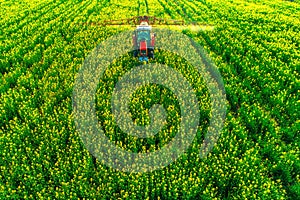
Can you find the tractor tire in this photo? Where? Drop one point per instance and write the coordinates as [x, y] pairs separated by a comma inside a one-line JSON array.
[[151, 53], [135, 53]]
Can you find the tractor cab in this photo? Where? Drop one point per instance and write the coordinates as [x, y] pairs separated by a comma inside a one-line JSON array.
[[143, 35], [143, 32], [143, 42]]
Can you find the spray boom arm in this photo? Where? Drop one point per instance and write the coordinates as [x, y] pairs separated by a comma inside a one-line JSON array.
[[151, 20]]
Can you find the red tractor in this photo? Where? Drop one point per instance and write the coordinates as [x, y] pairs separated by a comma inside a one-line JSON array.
[[143, 40]]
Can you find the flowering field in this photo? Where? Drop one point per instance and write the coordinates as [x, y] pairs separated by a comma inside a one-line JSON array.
[[255, 45]]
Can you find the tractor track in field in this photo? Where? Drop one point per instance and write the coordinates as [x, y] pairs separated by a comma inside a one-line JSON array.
[[184, 5], [168, 11], [141, 10], [174, 9], [183, 10], [147, 8], [138, 8]]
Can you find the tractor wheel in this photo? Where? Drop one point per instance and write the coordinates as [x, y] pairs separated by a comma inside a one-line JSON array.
[[151, 53], [135, 53]]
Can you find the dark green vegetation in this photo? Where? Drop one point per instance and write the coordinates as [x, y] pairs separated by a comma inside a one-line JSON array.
[[255, 45]]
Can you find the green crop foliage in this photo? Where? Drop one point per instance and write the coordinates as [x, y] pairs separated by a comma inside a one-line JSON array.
[[256, 47]]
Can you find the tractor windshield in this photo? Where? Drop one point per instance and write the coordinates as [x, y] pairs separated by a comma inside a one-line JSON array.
[[143, 35]]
